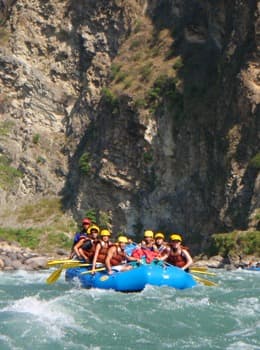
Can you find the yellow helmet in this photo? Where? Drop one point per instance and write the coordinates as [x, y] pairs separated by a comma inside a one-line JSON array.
[[148, 233], [93, 227], [105, 233], [122, 239], [159, 235], [175, 237]]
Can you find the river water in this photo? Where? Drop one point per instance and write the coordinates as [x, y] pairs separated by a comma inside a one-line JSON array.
[[37, 316]]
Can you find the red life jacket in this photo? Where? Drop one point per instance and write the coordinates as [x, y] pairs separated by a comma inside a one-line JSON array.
[[142, 252]]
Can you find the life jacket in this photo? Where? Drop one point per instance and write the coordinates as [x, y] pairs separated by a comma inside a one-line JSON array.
[[102, 254], [89, 247], [160, 249], [178, 260], [146, 253], [119, 257]]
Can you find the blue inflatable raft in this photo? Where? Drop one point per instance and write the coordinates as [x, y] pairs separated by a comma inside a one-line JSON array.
[[133, 280], [252, 268]]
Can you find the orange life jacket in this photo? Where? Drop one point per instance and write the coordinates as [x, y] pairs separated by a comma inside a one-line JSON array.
[[102, 254], [119, 257], [178, 259]]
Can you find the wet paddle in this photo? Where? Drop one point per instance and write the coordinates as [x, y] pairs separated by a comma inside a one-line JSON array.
[[65, 261], [205, 282], [198, 279], [54, 276], [91, 271], [193, 270], [199, 268]]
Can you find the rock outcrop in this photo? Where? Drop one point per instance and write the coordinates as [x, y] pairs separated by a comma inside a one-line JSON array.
[[170, 142]]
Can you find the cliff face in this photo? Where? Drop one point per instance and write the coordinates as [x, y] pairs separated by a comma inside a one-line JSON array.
[[145, 110]]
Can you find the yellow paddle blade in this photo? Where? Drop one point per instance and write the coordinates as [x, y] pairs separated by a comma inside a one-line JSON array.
[[90, 271], [205, 282], [54, 276], [65, 261], [199, 268], [193, 270]]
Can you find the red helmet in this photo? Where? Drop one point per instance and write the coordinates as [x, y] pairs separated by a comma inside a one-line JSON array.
[[86, 221]]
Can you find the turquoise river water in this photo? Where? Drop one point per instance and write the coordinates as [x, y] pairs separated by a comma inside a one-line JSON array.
[[37, 316]]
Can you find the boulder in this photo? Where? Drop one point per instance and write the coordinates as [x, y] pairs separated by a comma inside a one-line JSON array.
[[2, 264], [39, 262]]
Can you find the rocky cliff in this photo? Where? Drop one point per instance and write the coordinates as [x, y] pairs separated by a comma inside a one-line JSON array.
[[145, 111]]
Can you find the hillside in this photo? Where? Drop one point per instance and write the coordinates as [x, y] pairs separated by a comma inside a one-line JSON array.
[[143, 112]]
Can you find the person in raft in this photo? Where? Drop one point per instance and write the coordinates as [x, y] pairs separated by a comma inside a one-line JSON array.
[[82, 234], [146, 251], [160, 246], [117, 257], [85, 248], [101, 249], [177, 255]]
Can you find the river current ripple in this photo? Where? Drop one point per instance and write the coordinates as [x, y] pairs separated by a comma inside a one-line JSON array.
[[34, 315]]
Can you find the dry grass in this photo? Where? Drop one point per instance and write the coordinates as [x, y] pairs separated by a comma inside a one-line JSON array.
[[143, 57]]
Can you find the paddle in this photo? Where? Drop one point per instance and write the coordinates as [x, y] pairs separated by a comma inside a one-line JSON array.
[[193, 270], [199, 279], [199, 268], [54, 276], [65, 261], [91, 271], [204, 281]]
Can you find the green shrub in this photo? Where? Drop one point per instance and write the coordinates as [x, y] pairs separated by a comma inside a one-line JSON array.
[[236, 242], [115, 69], [111, 99], [36, 139], [40, 160], [6, 125], [140, 103], [84, 163], [121, 76], [4, 35], [105, 218], [41, 210], [148, 157], [8, 174], [91, 214], [138, 25], [136, 43], [25, 237], [101, 218], [145, 71], [164, 89], [58, 239], [255, 161], [178, 64]]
